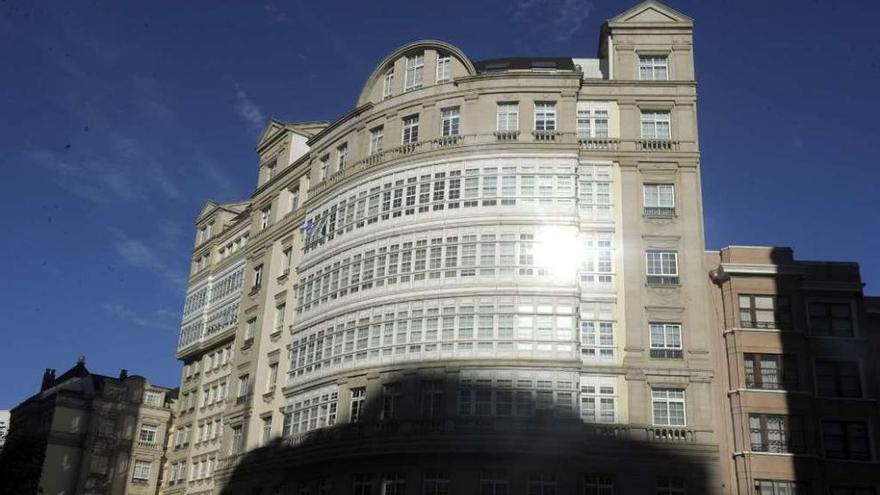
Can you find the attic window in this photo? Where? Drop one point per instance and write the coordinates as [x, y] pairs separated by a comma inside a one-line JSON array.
[[543, 64], [497, 66]]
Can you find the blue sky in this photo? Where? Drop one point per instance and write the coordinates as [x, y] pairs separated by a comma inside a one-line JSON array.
[[119, 119]]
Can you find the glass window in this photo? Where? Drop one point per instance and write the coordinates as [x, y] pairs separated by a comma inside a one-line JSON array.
[[391, 397], [776, 433], [662, 267], [831, 319], [770, 371], [494, 482], [656, 124], [592, 121], [436, 483], [759, 311], [449, 121], [659, 199], [846, 440], [377, 135], [358, 400], [668, 406], [415, 65], [507, 117], [670, 485], [545, 115], [265, 217], [341, 156], [597, 339], [388, 83], [141, 471], [393, 483], [444, 63], [410, 129], [147, 434], [665, 340], [362, 484], [598, 484], [542, 483], [598, 399], [838, 379], [779, 487], [653, 68]]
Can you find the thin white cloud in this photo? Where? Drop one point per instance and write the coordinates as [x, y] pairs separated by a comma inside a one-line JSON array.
[[141, 256], [571, 17], [562, 18], [162, 318], [248, 110], [275, 14]]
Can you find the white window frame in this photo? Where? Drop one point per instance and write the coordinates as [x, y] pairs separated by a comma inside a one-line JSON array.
[[244, 385], [545, 114], [507, 116], [152, 432], [409, 129], [388, 83], [324, 170], [653, 67], [265, 217], [356, 406], [415, 68], [603, 391], [258, 276], [377, 136], [667, 277], [450, 121], [663, 197], [592, 117], [444, 68], [653, 121], [667, 348], [664, 396], [293, 202], [591, 340], [141, 470], [341, 157]]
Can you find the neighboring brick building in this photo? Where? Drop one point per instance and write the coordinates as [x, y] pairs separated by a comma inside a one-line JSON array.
[[798, 344]]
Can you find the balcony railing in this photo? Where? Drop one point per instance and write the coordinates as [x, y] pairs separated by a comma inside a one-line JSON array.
[[507, 135], [657, 145], [670, 434], [147, 445], [663, 280], [540, 136], [545, 135], [602, 144], [473, 425], [667, 353], [659, 212]]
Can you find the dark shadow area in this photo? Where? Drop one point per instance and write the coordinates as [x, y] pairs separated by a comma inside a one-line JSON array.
[[551, 451]]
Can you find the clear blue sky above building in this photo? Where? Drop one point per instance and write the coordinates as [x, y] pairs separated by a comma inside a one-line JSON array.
[[119, 119]]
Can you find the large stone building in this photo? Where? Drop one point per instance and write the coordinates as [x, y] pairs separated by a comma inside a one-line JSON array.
[[490, 277], [89, 434], [798, 373], [491, 274]]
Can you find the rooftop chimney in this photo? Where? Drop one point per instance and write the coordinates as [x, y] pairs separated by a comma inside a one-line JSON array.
[[48, 379], [123, 374]]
